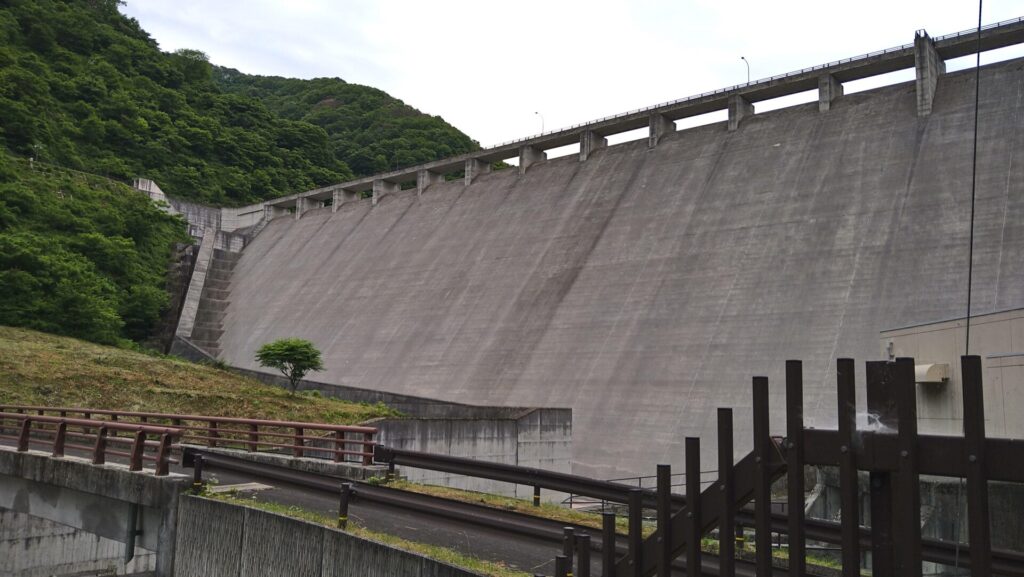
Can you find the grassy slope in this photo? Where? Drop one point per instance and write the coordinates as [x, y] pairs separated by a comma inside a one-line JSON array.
[[42, 369]]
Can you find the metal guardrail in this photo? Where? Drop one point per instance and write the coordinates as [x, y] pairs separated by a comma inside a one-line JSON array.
[[341, 442], [61, 434]]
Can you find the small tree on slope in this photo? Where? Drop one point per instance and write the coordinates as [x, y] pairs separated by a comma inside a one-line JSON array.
[[293, 357]]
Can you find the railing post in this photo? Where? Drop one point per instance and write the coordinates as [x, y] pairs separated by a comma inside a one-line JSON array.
[[339, 445], [907, 501], [693, 522], [197, 474], [795, 466], [298, 442], [636, 531], [568, 548], [536, 495], [163, 453], [346, 496], [608, 544], [882, 406], [213, 434], [848, 500], [99, 452], [59, 439], [664, 489], [762, 482], [254, 438], [26, 429], [727, 488], [978, 530], [583, 555], [367, 449], [138, 446]]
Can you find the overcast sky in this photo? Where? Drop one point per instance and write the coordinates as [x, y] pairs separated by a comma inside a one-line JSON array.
[[488, 67]]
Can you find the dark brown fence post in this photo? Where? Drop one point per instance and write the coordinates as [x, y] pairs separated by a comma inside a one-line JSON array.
[[536, 495], [795, 466], [138, 446], [664, 489], [636, 531], [727, 488], [367, 449], [99, 452], [762, 481], [978, 529], [339, 445], [693, 514], [608, 536], [298, 442], [26, 430], [213, 434], [197, 474], [907, 499], [254, 438], [59, 439], [163, 454], [848, 490], [881, 406]]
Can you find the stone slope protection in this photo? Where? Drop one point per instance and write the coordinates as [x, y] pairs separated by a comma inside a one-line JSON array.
[[644, 287]]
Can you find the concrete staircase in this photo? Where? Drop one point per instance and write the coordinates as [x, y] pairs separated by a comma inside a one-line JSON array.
[[214, 302]]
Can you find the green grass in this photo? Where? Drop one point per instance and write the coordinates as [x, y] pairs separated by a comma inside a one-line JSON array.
[[42, 369], [443, 554]]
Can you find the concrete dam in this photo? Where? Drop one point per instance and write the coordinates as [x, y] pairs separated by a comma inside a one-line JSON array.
[[644, 284]]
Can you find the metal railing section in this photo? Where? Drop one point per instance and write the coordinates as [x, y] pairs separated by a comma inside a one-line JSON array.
[[339, 442], [97, 438]]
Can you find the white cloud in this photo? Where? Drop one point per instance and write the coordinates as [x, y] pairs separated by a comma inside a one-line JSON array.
[[486, 67]]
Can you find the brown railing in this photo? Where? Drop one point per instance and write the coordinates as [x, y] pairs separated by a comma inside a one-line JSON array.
[[97, 438], [337, 442]]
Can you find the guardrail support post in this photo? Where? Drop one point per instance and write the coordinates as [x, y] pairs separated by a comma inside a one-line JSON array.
[[214, 435], [254, 438], [560, 566], [163, 453], [298, 442], [367, 449], [608, 544], [346, 496], [138, 446], [197, 474], [99, 452], [568, 548], [583, 555], [26, 428], [60, 439], [536, 495]]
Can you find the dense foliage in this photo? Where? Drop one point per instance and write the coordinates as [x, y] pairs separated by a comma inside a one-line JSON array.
[[367, 129], [84, 87], [81, 255]]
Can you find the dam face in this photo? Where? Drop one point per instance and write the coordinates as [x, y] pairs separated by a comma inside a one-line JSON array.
[[644, 287]]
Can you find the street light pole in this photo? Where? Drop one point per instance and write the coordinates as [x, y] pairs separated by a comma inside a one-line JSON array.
[[744, 59], [541, 121]]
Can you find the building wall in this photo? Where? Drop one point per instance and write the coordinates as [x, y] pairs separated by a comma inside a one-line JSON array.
[[999, 339]]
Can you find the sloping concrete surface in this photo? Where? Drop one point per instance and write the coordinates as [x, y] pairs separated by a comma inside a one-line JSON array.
[[644, 288]]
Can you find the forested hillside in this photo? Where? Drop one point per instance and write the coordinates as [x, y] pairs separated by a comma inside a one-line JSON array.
[[84, 87]]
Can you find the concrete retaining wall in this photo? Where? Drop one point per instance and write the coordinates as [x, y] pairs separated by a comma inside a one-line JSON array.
[[225, 540], [33, 547]]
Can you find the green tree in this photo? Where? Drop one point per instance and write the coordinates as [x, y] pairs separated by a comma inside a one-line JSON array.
[[293, 357]]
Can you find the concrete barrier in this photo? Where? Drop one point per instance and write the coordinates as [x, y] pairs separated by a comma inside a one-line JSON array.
[[216, 538]]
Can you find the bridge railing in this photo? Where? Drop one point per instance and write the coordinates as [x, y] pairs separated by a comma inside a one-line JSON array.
[[336, 442], [99, 439]]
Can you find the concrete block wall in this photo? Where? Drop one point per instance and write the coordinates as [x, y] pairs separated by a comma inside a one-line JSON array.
[[34, 547], [216, 538]]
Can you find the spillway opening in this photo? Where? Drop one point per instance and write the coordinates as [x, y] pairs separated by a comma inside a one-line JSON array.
[[560, 151], [887, 79], [786, 101], [628, 136], [702, 119]]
